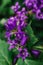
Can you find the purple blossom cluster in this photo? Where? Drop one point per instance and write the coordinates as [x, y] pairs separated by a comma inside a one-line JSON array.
[[14, 27], [36, 6], [15, 34]]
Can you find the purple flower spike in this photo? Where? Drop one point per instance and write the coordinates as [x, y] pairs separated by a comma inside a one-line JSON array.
[[15, 34], [23, 54], [35, 53]]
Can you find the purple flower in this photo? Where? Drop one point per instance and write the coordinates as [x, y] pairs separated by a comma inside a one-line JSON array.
[[12, 44], [23, 41], [35, 6], [35, 53], [39, 13], [23, 53], [7, 34], [19, 35], [16, 7], [15, 60], [10, 24], [17, 23], [21, 26], [21, 38], [21, 15], [42, 1], [30, 3], [11, 47], [22, 11]]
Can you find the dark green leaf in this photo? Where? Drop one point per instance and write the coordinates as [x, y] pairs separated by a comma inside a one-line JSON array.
[[29, 62], [5, 58], [32, 37]]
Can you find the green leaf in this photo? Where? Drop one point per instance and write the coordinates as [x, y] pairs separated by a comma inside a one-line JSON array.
[[20, 62], [29, 62], [40, 34], [33, 62], [5, 56], [5, 9], [2, 31], [32, 37], [38, 48], [4, 3]]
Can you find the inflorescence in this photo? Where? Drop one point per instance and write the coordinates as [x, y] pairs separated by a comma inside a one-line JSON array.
[[15, 34], [36, 6]]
